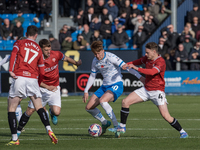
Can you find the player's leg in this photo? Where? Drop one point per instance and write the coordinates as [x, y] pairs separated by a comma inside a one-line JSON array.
[[54, 101], [13, 102], [172, 121], [95, 112], [24, 119]]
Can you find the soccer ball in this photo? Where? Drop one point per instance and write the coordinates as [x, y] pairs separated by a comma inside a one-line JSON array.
[[95, 130]]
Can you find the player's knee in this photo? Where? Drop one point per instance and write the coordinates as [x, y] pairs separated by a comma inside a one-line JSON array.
[[87, 108], [29, 112], [124, 103], [57, 113]]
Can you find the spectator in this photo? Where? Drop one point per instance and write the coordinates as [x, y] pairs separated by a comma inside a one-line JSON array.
[[168, 62], [106, 15], [112, 8], [189, 25], [80, 43], [87, 34], [172, 58], [163, 14], [87, 19], [74, 5], [99, 7], [6, 30], [135, 10], [67, 44], [17, 31], [195, 25], [55, 45], [79, 18], [119, 38], [66, 31], [172, 36], [96, 36], [138, 21], [195, 55], [154, 7], [126, 8], [139, 37], [24, 6], [37, 8], [116, 23], [19, 18], [186, 31], [188, 43], [95, 24], [194, 13], [180, 55], [124, 16], [151, 24], [46, 7], [146, 15], [89, 4], [163, 47], [105, 29], [145, 8]]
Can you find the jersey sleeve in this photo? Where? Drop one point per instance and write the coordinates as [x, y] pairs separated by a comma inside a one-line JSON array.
[[116, 60], [41, 68], [5, 60], [137, 62], [60, 55], [13, 56], [93, 68]]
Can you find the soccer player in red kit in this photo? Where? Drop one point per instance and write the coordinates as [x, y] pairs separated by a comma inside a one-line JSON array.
[[153, 89], [26, 64], [49, 87]]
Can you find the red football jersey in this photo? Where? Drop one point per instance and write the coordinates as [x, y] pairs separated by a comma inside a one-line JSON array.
[[51, 76], [155, 70], [26, 59]]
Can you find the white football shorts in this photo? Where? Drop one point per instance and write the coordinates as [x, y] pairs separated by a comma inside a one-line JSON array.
[[24, 87], [157, 97], [52, 98]]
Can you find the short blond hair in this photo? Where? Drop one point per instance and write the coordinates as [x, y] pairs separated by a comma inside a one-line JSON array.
[[96, 46]]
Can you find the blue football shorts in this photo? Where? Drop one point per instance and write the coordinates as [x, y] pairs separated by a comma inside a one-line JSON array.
[[117, 89]]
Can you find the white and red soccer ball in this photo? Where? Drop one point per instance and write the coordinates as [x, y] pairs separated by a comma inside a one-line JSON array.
[[95, 130]]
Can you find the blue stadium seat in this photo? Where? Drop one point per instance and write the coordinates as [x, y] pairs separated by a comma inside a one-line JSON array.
[[14, 16], [25, 30], [38, 25], [74, 35], [8, 45], [32, 16], [140, 7], [1, 45], [130, 33], [26, 24], [9, 16], [27, 17], [104, 43], [108, 42]]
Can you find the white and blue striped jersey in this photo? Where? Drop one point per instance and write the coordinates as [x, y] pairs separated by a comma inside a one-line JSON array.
[[109, 67]]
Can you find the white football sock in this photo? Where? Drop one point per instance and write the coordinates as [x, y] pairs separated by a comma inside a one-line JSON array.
[[109, 112], [14, 137], [48, 128], [182, 131], [97, 114], [18, 113]]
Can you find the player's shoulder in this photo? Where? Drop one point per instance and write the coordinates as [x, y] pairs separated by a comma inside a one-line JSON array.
[[160, 59]]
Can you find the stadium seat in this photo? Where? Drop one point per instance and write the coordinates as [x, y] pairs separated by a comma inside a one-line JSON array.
[[140, 7], [104, 43], [108, 42], [26, 24], [38, 25], [130, 33], [1, 45], [14, 16], [25, 30], [9, 16], [74, 35], [27, 17], [8, 45]]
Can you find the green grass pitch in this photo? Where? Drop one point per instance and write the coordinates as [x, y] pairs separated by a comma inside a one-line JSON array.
[[146, 129]]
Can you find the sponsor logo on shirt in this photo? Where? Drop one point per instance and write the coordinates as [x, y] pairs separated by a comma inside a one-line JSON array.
[[50, 68], [26, 73], [54, 59]]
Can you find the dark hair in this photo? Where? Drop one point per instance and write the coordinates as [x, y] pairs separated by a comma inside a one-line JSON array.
[[32, 30], [152, 46], [44, 43], [96, 46]]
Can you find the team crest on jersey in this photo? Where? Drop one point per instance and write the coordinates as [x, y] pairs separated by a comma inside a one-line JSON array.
[[53, 59], [102, 66]]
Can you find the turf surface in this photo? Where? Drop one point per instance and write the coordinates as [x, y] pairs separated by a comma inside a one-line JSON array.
[[146, 129]]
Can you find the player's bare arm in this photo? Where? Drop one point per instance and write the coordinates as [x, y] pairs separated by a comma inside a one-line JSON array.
[[50, 88], [85, 97], [124, 67], [72, 61]]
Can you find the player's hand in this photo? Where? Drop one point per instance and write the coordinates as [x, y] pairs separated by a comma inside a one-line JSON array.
[[132, 66], [124, 67], [12, 75], [78, 63], [85, 97], [52, 88], [142, 79]]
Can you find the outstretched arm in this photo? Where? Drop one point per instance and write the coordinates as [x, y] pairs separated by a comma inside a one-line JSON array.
[[72, 61], [5, 60]]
